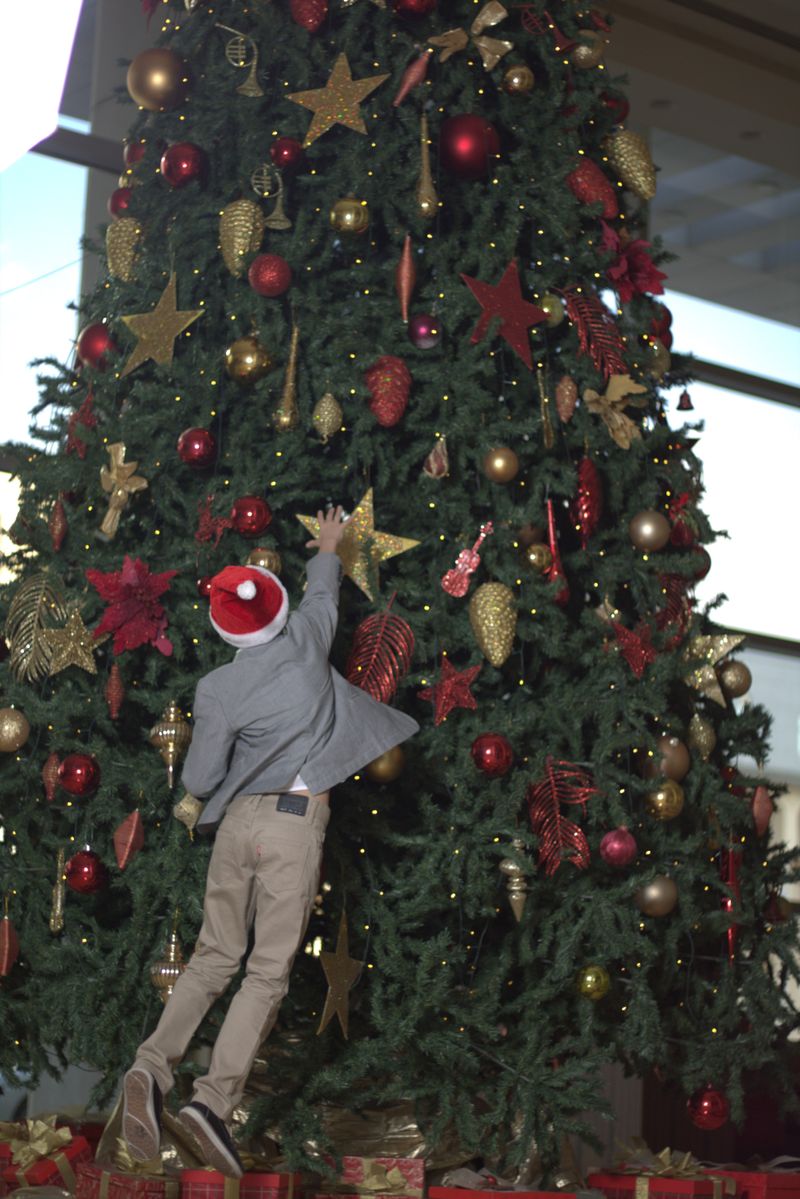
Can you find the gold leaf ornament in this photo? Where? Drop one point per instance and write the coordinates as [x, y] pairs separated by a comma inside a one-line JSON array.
[[493, 616], [37, 607], [241, 231], [621, 392], [122, 242]]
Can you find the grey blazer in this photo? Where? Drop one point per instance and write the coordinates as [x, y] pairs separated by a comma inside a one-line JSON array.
[[280, 709]]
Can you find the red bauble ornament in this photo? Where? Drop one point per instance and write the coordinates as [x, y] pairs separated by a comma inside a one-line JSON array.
[[492, 753], [708, 1108], [270, 275], [250, 515], [79, 774], [414, 9], [467, 146], [618, 848], [204, 586], [197, 448], [93, 346], [617, 105], [182, 163], [589, 185], [85, 873], [424, 331], [702, 560], [310, 14], [287, 154], [119, 200], [133, 153]]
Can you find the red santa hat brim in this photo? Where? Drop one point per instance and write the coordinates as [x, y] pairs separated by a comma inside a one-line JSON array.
[[249, 605]]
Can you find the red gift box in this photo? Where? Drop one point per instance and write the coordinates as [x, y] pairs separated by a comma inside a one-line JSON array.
[[210, 1184], [657, 1186], [58, 1169], [468, 1193], [97, 1182], [92, 1130], [763, 1184], [408, 1176], [360, 1195]]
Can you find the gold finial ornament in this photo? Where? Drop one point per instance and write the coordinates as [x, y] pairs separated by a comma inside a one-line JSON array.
[[286, 415], [427, 199], [516, 883], [241, 231], [165, 972], [171, 736]]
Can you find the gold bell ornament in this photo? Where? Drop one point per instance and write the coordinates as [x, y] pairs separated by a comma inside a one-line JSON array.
[[241, 231], [493, 616], [171, 736]]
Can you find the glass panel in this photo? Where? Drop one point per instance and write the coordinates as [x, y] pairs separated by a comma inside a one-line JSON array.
[[41, 222], [750, 451]]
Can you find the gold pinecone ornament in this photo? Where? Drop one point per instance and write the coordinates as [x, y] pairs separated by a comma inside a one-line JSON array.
[[327, 416], [493, 617], [122, 242], [241, 231], [629, 156]]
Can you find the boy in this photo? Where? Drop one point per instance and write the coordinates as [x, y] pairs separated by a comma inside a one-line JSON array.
[[274, 730]]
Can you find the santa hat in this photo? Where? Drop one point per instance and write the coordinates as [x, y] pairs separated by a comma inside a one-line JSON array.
[[249, 605]]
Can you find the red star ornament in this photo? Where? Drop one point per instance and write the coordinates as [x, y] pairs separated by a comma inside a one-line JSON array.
[[504, 300], [452, 690]]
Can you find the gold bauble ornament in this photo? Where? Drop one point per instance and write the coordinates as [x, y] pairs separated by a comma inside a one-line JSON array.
[[666, 801], [735, 678], [247, 361], [122, 241], [593, 982], [158, 79], [167, 970], [518, 80], [14, 730], [553, 306], [538, 556], [702, 738], [350, 215], [516, 883], [265, 557], [659, 359], [649, 530], [629, 156], [241, 231], [501, 464], [671, 759], [327, 416], [493, 616], [171, 736], [657, 898], [387, 767], [590, 49]]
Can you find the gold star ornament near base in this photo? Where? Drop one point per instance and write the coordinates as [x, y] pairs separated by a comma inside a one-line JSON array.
[[338, 102], [341, 971], [362, 547], [158, 329]]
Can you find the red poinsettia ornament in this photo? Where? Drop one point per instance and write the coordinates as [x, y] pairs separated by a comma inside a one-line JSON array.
[[633, 272], [134, 614]]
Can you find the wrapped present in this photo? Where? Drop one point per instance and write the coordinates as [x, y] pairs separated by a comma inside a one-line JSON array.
[[107, 1181], [92, 1130], [43, 1154], [471, 1193], [776, 1179], [665, 1175], [379, 1176], [254, 1184]]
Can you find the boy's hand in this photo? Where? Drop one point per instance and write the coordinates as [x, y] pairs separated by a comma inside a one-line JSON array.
[[331, 530]]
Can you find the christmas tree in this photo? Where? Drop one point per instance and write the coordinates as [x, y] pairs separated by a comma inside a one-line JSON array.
[[394, 258]]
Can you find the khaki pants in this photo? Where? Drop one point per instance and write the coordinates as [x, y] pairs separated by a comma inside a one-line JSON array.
[[264, 872]]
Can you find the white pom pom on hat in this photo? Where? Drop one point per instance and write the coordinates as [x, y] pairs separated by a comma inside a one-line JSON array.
[[249, 605]]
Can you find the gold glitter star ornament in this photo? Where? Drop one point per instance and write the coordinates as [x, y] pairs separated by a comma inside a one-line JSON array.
[[338, 102], [341, 971], [703, 675], [362, 547], [158, 329], [74, 645]]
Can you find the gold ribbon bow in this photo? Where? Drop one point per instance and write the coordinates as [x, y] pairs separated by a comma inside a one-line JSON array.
[[121, 481], [123, 1163], [641, 1161], [491, 49], [34, 1139]]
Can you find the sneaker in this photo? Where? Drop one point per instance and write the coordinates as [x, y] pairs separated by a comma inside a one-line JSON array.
[[217, 1144], [141, 1114]]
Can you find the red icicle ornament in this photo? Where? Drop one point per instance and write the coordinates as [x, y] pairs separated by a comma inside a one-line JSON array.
[[560, 840], [587, 506], [381, 654], [50, 776], [9, 943], [730, 865], [555, 571], [114, 692], [405, 277], [128, 839], [413, 75], [57, 524]]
